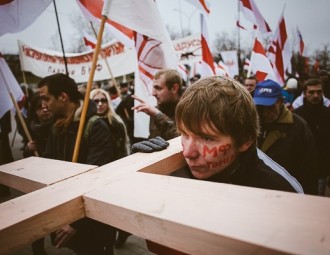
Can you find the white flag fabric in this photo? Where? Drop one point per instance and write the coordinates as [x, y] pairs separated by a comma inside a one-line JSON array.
[[246, 64], [200, 5], [92, 10], [221, 69], [260, 64], [280, 53], [207, 67], [230, 59], [17, 15], [153, 46], [252, 13], [8, 81]]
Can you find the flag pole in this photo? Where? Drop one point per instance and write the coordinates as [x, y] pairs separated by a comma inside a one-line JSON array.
[[239, 38], [61, 40], [107, 64], [88, 90], [252, 55], [21, 62], [19, 114]]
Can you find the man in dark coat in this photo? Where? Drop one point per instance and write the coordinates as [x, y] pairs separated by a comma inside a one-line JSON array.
[[285, 137], [317, 117], [60, 93]]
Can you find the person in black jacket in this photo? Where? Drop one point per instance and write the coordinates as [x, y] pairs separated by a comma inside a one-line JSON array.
[[60, 94], [285, 137], [317, 117], [218, 123]]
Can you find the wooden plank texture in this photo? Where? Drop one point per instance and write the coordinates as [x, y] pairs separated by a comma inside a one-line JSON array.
[[29, 217], [34, 173], [199, 217]]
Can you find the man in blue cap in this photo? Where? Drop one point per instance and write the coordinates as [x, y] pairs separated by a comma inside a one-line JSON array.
[[284, 136]]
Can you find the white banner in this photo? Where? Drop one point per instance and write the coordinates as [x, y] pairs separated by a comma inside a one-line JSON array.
[[188, 49], [42, 62], [230, 59]]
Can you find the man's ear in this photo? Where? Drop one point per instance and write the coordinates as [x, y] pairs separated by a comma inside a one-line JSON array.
[[245, 146], [175, 88], [63, 97]]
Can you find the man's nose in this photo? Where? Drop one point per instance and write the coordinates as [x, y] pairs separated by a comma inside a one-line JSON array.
[[190, 148]]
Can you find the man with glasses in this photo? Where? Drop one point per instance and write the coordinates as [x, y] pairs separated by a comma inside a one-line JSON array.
[[285, 137]]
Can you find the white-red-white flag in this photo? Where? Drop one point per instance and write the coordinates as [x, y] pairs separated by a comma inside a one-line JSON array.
[[153, 45], [260, 64], [230, 58], [279, 52], [92, 10], [207, 67], [90, 41], [200, 5], [16, 15], [138, 24], [8, 81], [252, 13], [300, 42]]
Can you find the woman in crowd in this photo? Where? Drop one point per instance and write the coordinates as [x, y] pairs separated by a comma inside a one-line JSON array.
[[116, 125]]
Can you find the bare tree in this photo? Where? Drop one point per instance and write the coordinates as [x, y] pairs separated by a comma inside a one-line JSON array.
[[74, 43]]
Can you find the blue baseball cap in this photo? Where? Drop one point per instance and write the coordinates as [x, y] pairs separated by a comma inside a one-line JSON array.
[[267, 92]]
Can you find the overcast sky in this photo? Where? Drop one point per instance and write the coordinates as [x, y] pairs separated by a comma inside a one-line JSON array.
[[312, 17]]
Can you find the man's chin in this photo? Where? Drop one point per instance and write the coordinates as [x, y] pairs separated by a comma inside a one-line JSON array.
[[200, 174]]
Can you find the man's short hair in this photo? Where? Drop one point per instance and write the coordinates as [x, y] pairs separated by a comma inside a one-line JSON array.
[[250, 78], [221, 103], [172, 77], [312, 82], [59, 83]]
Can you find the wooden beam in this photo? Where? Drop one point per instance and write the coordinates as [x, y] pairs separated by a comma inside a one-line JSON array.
[[43, 211], [33, 173], [199, 217]]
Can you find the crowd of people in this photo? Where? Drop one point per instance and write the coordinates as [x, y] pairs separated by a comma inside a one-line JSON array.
[[249, 133]]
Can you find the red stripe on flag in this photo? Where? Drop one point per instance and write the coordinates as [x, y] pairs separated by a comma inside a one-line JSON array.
[[261, 76], [247, 4], [258, 48], [202, 2], [89, 43], [283, 34], [207, 55], [279, 62]]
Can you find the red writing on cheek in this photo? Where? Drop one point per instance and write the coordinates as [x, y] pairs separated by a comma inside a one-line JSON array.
[[222, 162], [216, 149]]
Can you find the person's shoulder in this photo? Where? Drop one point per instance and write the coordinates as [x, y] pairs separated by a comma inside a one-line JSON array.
[[95, 124], [299, 120], [274, 176]]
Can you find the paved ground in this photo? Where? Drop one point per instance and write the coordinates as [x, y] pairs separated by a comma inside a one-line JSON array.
[[133, 246]]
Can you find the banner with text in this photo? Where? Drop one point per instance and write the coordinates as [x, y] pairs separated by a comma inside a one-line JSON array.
[[42, 62]]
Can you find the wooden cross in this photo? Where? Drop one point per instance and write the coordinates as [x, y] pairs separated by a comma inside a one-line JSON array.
[[136, 195]]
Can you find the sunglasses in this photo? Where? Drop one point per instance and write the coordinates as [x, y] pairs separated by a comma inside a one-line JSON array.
[[102, 100]]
